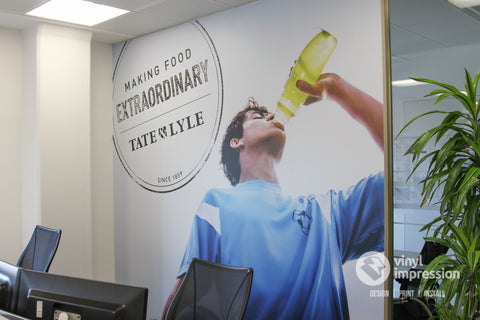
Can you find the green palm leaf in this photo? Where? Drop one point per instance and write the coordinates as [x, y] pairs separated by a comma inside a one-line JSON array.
[[453, 172]]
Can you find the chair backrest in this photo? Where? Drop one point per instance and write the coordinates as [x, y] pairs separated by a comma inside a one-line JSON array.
[[212, 291], [40, 250], [430, 251]]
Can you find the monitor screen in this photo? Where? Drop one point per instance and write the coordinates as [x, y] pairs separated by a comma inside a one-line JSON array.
[[49, 296], [8, 285]]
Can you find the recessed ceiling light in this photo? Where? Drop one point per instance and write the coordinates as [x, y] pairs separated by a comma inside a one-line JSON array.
[[406, 83], [465, 3], [76, 11]]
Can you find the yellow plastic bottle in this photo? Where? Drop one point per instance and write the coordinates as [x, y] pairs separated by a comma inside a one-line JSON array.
[[308, 67]]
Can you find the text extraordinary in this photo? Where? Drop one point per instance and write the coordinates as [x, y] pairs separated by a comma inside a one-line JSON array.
[[162, 91]]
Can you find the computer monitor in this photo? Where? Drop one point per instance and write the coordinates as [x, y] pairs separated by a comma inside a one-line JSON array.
[[49, 296], [8, 285]]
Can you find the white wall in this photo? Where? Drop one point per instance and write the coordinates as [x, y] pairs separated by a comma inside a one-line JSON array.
[[10, 161], [103, 252], [63, 129], [57, 131]]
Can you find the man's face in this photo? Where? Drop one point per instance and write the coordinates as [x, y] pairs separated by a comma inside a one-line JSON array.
[[260, 130]]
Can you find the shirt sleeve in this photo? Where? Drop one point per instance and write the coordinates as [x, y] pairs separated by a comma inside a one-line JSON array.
[[204, 241], [358, 217]]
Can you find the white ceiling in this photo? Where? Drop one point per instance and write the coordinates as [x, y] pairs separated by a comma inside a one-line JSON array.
[[421, 25], [146, 16], [416, 25]]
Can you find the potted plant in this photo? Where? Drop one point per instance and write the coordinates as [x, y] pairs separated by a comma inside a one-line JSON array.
[[453, 174]]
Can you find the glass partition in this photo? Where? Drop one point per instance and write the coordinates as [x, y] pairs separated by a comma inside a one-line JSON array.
[[432, 39]]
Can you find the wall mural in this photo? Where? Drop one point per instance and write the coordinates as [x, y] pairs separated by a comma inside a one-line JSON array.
[[206, 168]]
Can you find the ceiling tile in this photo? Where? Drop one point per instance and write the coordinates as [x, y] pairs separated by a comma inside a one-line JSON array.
[[134, 5], [460, 38], [405, 12], [399, 33], [235, 3], [404, 41], [421, 25], [136, 24], [185, 10], [20, 6], [452, 25], [14, 21], [103, 36]]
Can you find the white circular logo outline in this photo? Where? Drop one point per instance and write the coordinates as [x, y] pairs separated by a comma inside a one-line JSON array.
[[213, 137]]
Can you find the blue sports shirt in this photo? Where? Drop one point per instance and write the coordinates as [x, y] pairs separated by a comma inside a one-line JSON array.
[[296, 246]]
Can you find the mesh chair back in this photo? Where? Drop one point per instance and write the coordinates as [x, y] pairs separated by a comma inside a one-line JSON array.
[[430, 251], [40, 250], [212, 291]]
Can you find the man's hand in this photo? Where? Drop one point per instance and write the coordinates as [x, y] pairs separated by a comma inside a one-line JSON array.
[[358, 104], [326, 83]]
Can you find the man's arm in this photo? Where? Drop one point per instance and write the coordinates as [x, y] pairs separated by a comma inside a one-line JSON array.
[[358, 104], [177, 284]]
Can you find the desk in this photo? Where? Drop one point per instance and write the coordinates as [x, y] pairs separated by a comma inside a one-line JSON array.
[[4, 315]]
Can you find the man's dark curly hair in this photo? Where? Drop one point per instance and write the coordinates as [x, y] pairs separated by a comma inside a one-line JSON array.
[[230, 156]]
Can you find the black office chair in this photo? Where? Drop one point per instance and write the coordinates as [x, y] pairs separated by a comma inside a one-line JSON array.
[[413, 307], [212, 291], [430, 251], [40, 250]]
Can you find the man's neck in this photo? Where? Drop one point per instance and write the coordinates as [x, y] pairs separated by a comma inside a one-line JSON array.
[[258, 167]]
